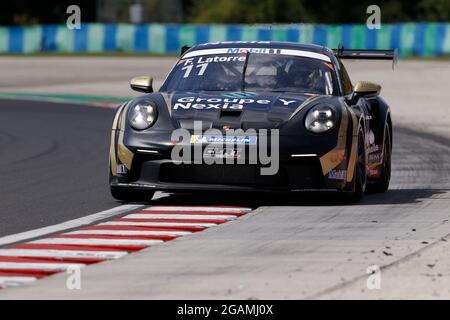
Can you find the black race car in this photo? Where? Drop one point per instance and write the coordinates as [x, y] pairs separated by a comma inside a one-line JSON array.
[[254, 116]]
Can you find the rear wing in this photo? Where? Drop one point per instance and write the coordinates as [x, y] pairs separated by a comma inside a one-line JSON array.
[[184, 49], [343, 53]]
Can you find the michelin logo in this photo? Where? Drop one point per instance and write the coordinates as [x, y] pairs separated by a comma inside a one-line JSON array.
[[246, 140]]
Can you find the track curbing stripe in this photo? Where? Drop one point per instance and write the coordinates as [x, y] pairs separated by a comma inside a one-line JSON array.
[[68, 225], [91, 243]]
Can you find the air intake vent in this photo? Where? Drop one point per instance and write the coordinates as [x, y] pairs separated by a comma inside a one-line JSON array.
[[230, 113]]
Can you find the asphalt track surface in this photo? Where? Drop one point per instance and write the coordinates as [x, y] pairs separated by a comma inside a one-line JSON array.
[[53, 166], [53, 163]]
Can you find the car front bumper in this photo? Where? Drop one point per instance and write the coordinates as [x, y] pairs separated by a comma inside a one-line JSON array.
[[155, 170]]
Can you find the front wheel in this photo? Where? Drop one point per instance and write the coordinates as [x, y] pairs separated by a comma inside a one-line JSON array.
[[382, 184], [130, 195]]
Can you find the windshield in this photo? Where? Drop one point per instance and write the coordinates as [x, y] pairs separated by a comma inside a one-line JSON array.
[[263, 72]]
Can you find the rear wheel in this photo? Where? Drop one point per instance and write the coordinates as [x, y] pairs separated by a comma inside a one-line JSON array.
[[360, 176], [382, 184], [130, 195]]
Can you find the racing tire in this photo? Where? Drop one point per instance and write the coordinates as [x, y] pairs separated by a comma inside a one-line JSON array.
[[360, 175], [130, 195], [382, 184]]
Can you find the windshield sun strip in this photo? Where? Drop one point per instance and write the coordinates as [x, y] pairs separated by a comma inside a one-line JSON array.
[[285, 52]]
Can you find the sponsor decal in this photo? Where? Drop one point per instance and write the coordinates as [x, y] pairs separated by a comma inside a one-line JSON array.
[[337, 175], [208, 60], [375, 157], [370, 140], [287, 102], [222, 59], [373, 172], [243, 140], [242, 94], [254, 50], [374, 148], [233, 101], [216, 103], [222, 152]]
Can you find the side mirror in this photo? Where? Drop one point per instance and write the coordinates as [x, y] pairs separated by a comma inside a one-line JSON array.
[[142, 84], [364, 89]]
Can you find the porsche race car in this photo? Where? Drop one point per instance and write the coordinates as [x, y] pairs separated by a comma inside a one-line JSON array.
[[254, 116]]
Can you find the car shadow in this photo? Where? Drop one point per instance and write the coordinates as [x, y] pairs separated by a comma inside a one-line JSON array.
[[404, 196], [254, 200]]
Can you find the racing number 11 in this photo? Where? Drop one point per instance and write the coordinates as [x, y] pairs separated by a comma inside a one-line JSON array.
[[188, 69]]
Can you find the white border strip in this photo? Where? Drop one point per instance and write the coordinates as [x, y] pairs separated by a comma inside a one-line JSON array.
[[15, 281], [159, 224], [98, 242], [275, 51], [200, 208], [306, 155], [39, 266], [179, 216], [131, 233], [61, 254], [69, 224]]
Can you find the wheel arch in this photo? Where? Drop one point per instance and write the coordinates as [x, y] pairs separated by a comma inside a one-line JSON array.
[[389, 123]]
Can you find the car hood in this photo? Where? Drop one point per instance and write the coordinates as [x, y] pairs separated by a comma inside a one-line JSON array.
[[245, 110]]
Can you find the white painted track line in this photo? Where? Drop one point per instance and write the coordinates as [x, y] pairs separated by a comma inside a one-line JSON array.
[[72, 224], [15, 281], [99, 242], [39, 266], [193, 208], [41, 253], [131, 233], [158, 224], [180, 216]]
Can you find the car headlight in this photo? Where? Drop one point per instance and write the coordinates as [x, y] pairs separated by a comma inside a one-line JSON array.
[[143, 115], [321, 118]]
